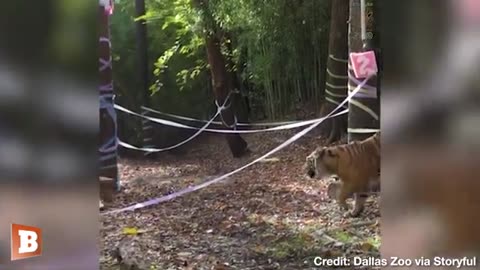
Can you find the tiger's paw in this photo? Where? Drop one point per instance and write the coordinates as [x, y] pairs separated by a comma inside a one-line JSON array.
[[333, 190], [343, 207], [355, 212]]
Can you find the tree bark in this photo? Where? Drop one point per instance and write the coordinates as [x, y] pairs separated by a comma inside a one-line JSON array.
[[221, 79], [108, 120], [336, 78], [222, 85], [143, 74], [240, 98], [364, 107], [142, 50]]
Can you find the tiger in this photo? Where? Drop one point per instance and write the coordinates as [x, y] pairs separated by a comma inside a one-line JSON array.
[[357, 165]]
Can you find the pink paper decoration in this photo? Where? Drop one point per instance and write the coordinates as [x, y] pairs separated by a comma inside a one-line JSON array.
[[469, 9], [107, 5], [364, 64], [109, 8]]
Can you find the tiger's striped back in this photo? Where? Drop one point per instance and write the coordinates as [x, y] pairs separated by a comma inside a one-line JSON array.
[[360, 153]]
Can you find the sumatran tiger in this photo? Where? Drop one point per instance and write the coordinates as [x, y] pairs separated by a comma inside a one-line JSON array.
[[357, 164]]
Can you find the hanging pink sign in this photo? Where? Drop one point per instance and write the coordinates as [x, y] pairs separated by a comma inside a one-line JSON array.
[[469, 9], [108, 5], [364, 64]]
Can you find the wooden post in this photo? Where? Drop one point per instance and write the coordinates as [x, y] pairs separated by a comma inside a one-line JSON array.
[[108, 119], [364, 108]]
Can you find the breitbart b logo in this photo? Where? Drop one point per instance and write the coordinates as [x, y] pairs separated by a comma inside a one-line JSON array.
[[26, 242]]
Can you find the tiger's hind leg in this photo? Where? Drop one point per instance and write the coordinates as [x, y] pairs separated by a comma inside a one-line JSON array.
[[360, 199]]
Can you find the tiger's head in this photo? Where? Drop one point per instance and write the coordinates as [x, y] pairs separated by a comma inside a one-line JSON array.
[[322, 162]]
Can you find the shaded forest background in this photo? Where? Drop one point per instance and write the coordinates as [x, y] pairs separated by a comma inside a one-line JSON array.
[[277, 51]]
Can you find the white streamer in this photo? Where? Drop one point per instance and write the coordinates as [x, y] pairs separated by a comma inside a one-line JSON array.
[[148, 149], [178, 125], [208, 183], [216, 122]]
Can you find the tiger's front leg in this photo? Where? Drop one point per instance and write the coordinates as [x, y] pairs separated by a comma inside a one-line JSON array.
[[361, 195], [346, 190], [333, 190]]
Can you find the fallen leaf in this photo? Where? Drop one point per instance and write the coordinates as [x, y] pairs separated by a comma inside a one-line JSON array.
[[238, 220], [366, 247], [130, 231], [184, 254], [269, 160]]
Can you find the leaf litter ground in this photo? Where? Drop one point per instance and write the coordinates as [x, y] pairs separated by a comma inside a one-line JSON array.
[[268, 216]]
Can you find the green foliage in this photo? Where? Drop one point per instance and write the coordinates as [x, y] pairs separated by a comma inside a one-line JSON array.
[[375, 241], [285, 44], [278, 49], [173, 47], [69, 37], [343, 237]]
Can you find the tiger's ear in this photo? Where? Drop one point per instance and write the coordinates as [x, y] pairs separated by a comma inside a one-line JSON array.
[[317, 152]]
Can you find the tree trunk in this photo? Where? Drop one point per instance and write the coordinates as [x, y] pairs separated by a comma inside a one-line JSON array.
[[364, 108], [143, 76], [222, 85], [336, 78], [221, 80], [240, 99], [108, 120]]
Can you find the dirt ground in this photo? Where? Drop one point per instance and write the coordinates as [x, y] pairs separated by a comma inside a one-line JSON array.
[[268, 216]]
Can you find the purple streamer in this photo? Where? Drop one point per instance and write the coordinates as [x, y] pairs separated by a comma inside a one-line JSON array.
[[106, 102], [370, 91], [106, 87], [357, 82], [106, 40], [105, 64], [363, 95]]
